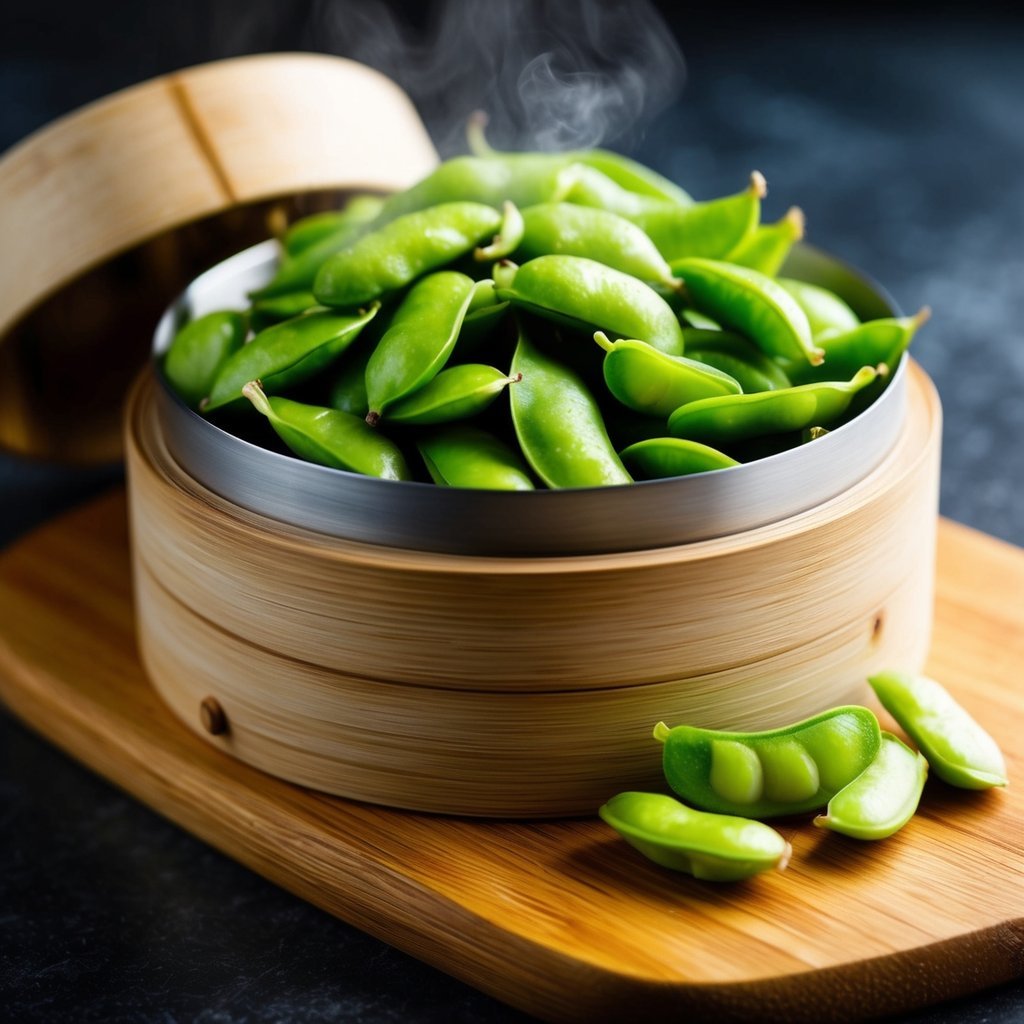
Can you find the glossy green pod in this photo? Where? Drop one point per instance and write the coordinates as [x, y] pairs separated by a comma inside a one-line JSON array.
[[347, 390], [558, 424], [751, 303], [738, 417], [883, 798], [633, 176], [199, 350], [712, 847], [768, 246], [736, 356], [466, 456], [454, 394], [393, 256], [660, 457], [958, 750], [287, 353], [267, 312], [581, 291], [654, 383], [826, 312], [767, 774], [311, 230], [329, 437], [588, 186]]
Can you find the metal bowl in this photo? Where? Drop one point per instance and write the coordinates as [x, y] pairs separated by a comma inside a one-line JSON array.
[[651, 514]]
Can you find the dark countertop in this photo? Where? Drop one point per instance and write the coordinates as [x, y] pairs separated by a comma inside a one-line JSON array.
[[903, 141]]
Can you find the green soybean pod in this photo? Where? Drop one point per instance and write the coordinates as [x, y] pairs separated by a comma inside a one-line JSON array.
[[587, 186], [466, 456], [347, 391], [404, 249], [736, 356], [419, 340], [582, 291], [329, 437], [959, 750], [768, 774], [711, 229], [454, 394], [199, 350], [661, 457], [826, 312], [768, 246], [287, 353], [738, 417], [652, 382], [751, 303], [312, 230], [712, 847], [883, 798], [267, 312], [558, 424], [633, 176]]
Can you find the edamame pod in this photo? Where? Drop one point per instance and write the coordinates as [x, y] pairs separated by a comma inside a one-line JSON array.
[[312, 230], [582, 291], [959, 750], [509, 235], [767, 774], [738, 417], [559, 425], [329, 437], [698, 321], [287, 353], [199, 350], [587, 186], [662, 457], [883, 798], [713, 847], [267, 312], [454, 394], [826, 312], [737, 357], [419, 340], [466, 456], [768, 246], [348, 389], [404, 249], [752, 304], [655, 383]]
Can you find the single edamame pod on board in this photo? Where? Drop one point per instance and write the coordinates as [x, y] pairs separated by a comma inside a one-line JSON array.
[[736, 356], [466, 456], [393, 256], [311, 230], [654, 383], [738, 417], [751, 303], [958, 750], [581, 291], [199, 350], [558, 424], [661, 457], [883, 798], [712, 847], [329, 437], [768, 246], [826, 312], [454, 394], [287, 353], [767, 774]]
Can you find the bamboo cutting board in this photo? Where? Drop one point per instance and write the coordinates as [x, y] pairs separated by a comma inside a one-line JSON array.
[[562, 919]]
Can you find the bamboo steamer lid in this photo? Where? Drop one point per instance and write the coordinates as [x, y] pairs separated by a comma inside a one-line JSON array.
[[108, 212]]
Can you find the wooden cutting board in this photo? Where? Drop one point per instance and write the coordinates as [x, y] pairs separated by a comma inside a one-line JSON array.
[[562, 919]]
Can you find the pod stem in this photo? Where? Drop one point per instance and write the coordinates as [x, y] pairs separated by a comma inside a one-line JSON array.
[[509, 235], [604, 341], [758, 184], [255, 394], [661, 731], [476, 135], [922, 316], [373, 418], [795, 218]]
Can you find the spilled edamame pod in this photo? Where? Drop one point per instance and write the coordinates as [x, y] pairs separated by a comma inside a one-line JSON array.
[[287, 353], [395, 255], [466, 456], [766, 774], [738, 417], [768, 246], [883, 798], [330, 437], [558, 424], [712, 847], [751, 303], [653, 382], [661, 457], [419, 339], [199, 350], [311, 230], [580, 291], [958, 750], [826, 312], [454, 394], [736, 356]]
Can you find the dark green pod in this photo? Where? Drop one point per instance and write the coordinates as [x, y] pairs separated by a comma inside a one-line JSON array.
[[199, 350], [267, 312], [312, 230]]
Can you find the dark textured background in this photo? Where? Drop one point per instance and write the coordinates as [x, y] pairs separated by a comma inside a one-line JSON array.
[[902, 136]]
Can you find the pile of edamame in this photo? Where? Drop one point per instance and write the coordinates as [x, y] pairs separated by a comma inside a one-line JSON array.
[[869, 781], [636, 333]]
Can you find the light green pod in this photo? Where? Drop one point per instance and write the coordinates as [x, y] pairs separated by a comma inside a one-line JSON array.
[[826, 312], [736, 356], [466, 456], [199, 350], [766, 774], [287, 353], [454, 394], [312, 230], [329, 437], [738, 417], [652, 382], [959, 750], [713, 847], [751, 303], [883, 798], [661, 457], [693, 318], [588, 186], [768, 246]]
